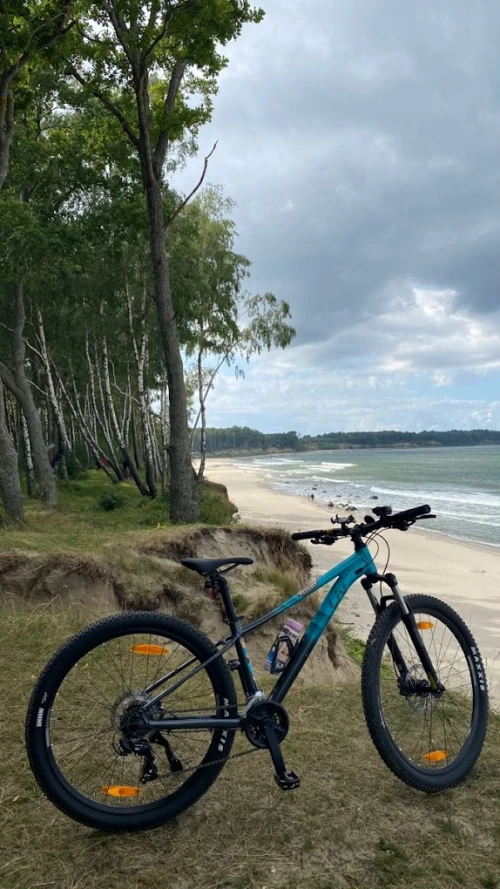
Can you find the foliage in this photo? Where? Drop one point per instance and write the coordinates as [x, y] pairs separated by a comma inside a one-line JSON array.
[[109, 101], [246, 439], [110, 500]]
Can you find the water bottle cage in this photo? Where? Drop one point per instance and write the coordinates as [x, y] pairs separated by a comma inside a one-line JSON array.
[[274, 651]]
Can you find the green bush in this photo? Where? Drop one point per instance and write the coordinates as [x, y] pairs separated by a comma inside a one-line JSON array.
[[111, 500], [216, 507]]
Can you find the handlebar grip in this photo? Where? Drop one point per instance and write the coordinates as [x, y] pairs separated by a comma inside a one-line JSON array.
[[306, 535], [413, 513]]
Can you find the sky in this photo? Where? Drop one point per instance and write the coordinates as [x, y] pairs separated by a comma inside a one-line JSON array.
[[361, 142]]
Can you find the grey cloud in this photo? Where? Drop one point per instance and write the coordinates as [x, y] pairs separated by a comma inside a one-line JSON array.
[[361, 141]]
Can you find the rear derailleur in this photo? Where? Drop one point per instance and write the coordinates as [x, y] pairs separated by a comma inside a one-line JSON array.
[[142, 747]]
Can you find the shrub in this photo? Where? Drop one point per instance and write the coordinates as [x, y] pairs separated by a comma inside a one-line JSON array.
[[110, 500]]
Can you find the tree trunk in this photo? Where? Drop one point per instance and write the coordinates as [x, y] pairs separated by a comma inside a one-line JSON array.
[[203, 414], [144, 406], [184, 492], [30, 472], [6, 126], [164, 434], [61, 434], [154, 441], [10, 483], [141, 362], [101, 422], [135, 443], [19, 385], [93, 446], [116, 426]]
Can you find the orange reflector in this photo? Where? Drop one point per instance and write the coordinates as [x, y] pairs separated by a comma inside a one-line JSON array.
[[424, 625], [436, 756], [150, 649], [121, 790]]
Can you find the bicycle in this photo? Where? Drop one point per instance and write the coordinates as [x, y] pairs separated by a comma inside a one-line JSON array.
[[136, 686]]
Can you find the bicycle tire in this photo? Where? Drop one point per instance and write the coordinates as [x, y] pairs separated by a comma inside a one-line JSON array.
[[413, 775], [37, 729]]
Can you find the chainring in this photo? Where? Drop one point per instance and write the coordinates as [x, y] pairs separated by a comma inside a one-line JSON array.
[[253, 725]]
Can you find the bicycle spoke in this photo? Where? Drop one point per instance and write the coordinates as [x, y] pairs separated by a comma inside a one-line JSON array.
[[91, 708], [430, 730]]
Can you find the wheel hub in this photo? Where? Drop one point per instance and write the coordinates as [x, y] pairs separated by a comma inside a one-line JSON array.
[[419, 695], [128, 717]]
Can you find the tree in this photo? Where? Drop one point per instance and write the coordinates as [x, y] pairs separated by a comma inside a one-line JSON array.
[[28, 32], [217, 319], [136, 59], [10, 486]]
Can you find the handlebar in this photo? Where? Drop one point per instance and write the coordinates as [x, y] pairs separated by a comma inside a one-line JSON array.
[[400, 520], [308, 535], [410, 514]]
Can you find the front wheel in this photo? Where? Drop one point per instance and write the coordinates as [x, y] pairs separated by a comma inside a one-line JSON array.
[[87, 705], [429, 739]]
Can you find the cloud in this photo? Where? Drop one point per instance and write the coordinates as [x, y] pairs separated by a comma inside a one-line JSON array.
[[360, 140]]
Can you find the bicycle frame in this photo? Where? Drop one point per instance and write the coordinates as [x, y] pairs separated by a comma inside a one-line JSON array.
[[344, 574]]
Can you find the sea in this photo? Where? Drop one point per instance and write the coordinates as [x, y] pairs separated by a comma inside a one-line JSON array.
[[462, 485]]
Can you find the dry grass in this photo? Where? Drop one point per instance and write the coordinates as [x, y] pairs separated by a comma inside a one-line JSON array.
[[352, 825]]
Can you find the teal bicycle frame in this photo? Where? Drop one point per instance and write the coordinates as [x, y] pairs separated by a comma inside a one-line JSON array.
[[345, 574]]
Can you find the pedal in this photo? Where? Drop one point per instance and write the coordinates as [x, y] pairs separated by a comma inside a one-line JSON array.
[[287, 780]]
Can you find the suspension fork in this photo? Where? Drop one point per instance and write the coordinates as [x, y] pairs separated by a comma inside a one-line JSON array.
[[410, 623]]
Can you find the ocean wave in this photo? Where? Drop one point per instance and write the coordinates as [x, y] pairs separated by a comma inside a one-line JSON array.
[[472, 499]]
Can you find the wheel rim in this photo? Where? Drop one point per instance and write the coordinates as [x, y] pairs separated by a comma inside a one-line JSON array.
[[93, 708], [432, 732]]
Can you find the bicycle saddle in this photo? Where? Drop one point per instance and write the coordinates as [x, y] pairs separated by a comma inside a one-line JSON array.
[[207, 566]]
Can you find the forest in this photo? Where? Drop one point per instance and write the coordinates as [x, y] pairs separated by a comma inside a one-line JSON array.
[[120, 299], [241, 438]]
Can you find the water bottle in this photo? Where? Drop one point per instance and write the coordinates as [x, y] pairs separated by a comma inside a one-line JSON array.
[[280, 651]]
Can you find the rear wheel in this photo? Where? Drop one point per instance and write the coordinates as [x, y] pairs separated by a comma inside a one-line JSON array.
[[430, 740], [89, 697]]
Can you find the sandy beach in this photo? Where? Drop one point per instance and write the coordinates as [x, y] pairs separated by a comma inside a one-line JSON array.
[[467, 576]]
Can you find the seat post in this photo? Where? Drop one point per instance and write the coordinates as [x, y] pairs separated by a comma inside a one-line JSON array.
[[227, 601], [245, 668]]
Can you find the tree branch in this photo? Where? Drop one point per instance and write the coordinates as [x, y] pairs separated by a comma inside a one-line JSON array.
[[121, 32], [109, 104], [172, 93], [191, 194], [9, 381], [166, 21]]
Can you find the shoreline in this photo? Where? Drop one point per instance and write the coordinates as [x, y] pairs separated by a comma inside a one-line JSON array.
[[465, 574], [418, 529]]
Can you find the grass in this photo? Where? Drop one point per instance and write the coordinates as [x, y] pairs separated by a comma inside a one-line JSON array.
[[355, 648], [285, 582], [352, 824], [81, 524]]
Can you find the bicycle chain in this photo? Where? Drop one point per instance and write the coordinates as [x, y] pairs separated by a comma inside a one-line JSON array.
[[216, 762]]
